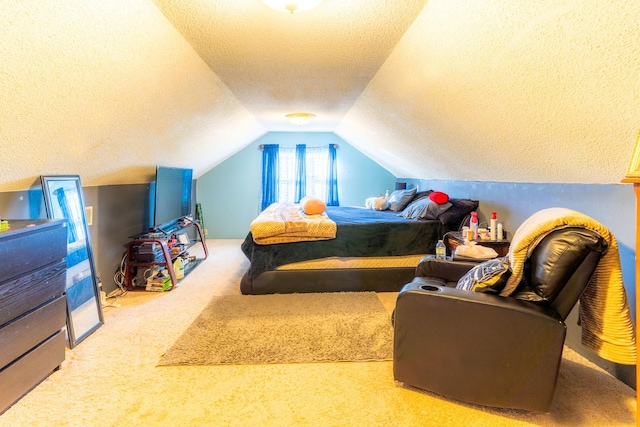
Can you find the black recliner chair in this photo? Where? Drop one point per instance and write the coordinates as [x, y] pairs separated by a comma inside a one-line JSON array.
[[486, 349]]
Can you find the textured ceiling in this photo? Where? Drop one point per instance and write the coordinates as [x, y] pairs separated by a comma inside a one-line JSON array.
[[108, 90], [511, 91], [486, 90], [317, 61]]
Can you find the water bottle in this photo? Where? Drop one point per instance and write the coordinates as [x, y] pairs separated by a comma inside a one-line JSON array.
[[441, 250]]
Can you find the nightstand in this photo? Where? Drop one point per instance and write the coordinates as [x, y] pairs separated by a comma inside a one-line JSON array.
[[454, 238]]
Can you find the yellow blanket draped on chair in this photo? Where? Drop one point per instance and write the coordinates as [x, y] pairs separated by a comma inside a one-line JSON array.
[[605, 317]]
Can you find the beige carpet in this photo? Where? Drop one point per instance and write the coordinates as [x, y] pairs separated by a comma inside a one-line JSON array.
[[289, 328], [111, 378]]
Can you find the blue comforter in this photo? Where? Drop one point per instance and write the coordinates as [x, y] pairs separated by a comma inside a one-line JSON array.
[[361, 233]]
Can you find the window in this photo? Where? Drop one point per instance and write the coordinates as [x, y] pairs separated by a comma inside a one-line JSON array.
[[290, 173], [286, 174], [315, 169], [317, 172]]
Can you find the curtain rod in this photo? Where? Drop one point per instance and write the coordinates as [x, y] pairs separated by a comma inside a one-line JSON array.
[[336, 146]]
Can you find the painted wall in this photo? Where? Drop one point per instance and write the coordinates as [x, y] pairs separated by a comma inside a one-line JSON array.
[[119, 211], [230, 192], [613, 205]]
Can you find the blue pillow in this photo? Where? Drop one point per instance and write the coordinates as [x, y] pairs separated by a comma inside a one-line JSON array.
[[424, 209], [399, 199]]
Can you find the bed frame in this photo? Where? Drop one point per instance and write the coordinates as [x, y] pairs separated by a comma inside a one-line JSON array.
[[328, 280]]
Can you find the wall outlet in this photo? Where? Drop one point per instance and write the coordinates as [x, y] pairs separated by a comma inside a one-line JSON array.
[[88, 211], [206, 232]]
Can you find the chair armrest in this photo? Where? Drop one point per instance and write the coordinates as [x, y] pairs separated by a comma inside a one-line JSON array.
[[423, 292], [477, 347], [446, 269]]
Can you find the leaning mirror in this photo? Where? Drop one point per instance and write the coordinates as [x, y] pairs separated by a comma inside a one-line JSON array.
[[63, 200]]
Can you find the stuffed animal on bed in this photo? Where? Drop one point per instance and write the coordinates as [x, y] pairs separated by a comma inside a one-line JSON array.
[[377, 203]]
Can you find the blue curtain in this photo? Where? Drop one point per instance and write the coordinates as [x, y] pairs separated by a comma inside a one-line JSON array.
[[301, 172], [269, 192], [332, 178]]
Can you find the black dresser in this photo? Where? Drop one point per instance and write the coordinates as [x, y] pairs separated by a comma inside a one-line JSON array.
[[32, 305]]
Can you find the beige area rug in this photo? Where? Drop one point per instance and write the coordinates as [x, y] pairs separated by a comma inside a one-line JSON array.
[[286, 328]]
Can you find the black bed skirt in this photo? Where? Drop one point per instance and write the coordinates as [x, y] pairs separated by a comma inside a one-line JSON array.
[[329, 280]]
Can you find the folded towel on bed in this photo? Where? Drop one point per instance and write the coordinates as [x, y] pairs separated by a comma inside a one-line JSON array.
[[286, 223]]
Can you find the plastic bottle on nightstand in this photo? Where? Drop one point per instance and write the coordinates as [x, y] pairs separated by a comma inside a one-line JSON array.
[[492, 226], [441, 250], [473, 224]]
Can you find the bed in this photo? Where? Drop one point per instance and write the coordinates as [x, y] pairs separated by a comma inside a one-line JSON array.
[[372, 251]]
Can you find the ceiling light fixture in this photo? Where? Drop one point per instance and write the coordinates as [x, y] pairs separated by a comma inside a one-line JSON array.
[[292, 6], [300, 119]]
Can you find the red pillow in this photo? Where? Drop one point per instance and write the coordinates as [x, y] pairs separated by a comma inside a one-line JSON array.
[[312, 205], [439, 197]]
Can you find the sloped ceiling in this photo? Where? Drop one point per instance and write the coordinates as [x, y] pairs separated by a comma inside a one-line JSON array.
[[276, 63], [496, 90], [108, 90], [513, 91]]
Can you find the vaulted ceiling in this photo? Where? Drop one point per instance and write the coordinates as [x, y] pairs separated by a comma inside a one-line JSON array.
[[496, 90], [276, 63]]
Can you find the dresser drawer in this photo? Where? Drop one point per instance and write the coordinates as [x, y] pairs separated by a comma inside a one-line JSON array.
[[20, 377], [24, 248], [25, 333], [24, 293]]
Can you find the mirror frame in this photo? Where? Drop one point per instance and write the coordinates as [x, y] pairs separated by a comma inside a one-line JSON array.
[[76, 330]]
